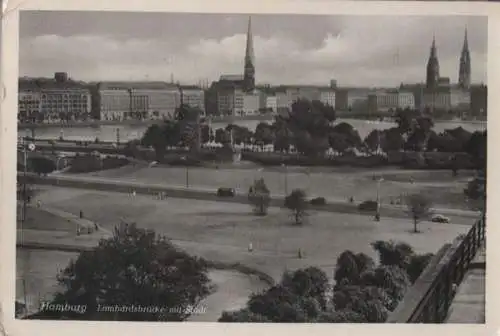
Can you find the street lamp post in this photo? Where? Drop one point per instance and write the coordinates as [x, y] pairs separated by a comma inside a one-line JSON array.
[[377, 214], [187, 171], [286, 178]]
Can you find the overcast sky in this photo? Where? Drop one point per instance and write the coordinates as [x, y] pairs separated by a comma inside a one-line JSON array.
[[289, 49]]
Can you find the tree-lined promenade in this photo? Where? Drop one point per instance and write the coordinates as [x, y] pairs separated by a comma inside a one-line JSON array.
[[309, 132]]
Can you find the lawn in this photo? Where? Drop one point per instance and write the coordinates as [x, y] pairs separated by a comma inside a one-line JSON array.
[[222, 231]]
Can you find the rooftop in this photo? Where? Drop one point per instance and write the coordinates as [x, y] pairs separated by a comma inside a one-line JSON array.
[[127, 85]]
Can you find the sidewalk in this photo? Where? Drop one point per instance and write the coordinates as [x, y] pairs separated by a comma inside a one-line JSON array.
[[468, 306]]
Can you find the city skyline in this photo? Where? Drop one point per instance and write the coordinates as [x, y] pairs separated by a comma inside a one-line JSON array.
[[289, 49]]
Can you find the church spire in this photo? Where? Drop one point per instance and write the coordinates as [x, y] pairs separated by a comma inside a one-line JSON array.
[[249, 73], [464, 72], [432, 79]]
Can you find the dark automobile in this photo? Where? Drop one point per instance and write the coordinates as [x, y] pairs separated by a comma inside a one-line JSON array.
[[225, 192]]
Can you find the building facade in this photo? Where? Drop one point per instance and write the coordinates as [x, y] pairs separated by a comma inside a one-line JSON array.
[[53, 99], [114, 104], [327, 97], [194, 97], [29, 104], [137, 100], [388, 101], [271, 104]]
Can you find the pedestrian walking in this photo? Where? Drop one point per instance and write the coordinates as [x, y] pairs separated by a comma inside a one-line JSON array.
[[250, 247], [38, 203], [133, 193]]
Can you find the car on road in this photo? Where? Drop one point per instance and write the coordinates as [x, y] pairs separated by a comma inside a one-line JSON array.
[[440, 219], [226, 192]]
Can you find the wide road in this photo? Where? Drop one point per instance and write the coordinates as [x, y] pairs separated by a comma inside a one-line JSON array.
[[209, 194]]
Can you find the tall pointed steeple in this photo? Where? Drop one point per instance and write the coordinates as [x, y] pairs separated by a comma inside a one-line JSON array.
[[249, 73], [464, 71], [432, 80]]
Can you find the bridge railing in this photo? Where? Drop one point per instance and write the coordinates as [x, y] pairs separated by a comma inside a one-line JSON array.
[[430, 297]]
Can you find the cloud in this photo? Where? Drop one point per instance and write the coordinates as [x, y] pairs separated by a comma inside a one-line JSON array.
[[367, 51]]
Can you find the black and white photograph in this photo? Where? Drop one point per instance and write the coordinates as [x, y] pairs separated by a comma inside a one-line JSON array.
[[251, 167]]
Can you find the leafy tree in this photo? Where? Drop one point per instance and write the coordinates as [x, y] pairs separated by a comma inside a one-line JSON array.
[[264, 134], [477, 148], [419, 208], [309, 282], [259, 197], [391, 253], [374, 140], [417, 265], [222, 136], [392, 279], [349, 268], [134, 267], [42, 165], [156, 138], [297, 203], [476, 190], [280, 304], [243, 315], [341, 316], [283, 139], [392, 140], [369, 301]]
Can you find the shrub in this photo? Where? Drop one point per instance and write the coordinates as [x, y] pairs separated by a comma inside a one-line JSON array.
[[318, 201], [368, 206]]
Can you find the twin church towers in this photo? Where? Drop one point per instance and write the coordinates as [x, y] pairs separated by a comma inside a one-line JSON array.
[[433, 79]]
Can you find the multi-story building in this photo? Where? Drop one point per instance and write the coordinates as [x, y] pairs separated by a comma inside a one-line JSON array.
[[60, 98], [137, 100], [436, 99], [271, 104], [327, 97], [390, 100], [114, 103], [251, 104], [193, 96], [460, 99], [352, 99], [29, 104], [479, 100]]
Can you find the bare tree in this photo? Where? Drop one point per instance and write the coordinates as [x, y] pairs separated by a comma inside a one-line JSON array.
[[259, 196], [419, 208]]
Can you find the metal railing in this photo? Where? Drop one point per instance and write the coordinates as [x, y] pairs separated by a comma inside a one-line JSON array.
[[430, 297]]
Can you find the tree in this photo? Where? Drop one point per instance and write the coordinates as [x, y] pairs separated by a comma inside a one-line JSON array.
[[134, 267], [476, 191], [155, 137], [368, 301], [297, 203], [477, 148], [374, 140], [222, 136], [418, 263], [391, 253], [349, 268], [392, 140], [392, 279], [42, 165], [419, 208], [308, 282], [280, 304], [243, 315], [259, 197]]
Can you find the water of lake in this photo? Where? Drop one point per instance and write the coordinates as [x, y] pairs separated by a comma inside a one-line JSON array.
[[129, 132]]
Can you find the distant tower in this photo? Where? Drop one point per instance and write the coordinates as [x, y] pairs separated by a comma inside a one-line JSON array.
[[432, 80], [464, 71], [249, 74]]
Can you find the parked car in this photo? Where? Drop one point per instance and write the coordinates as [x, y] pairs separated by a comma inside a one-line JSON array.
[[318, 201], [225, 192], [440, 219], [368, 206]]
